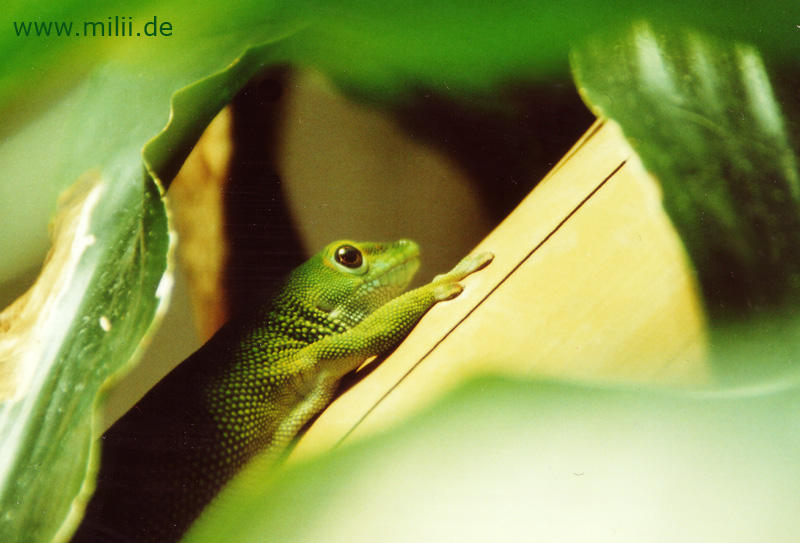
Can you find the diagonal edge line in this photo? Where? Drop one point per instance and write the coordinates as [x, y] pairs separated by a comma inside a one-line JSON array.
[[485, 297], [585, 139], [582, 142]]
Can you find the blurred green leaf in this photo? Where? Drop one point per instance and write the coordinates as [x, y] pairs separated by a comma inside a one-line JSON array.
[[520, 461], [389, 49], [702, 116]]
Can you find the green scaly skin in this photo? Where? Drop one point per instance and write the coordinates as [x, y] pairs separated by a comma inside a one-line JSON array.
[[253, 386]]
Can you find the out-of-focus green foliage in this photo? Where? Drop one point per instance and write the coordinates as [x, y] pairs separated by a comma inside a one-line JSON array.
[[71, 105], [516, 461], [702, 115], [382, 49]]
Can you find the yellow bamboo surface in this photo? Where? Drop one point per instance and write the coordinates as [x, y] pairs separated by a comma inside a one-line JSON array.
[[589, 281]]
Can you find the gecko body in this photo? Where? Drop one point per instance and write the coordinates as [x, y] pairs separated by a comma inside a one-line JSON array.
[[250, 389]]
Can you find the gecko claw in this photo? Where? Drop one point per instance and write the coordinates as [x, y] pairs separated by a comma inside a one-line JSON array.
[[481, 260]]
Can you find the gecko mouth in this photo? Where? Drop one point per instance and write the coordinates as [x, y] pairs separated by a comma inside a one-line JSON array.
[[396, 277]]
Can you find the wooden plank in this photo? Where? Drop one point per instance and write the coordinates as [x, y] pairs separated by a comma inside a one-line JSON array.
[[590, 281]]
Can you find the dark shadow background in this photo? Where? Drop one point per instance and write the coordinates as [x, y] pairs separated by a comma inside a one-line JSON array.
[[505, 145]]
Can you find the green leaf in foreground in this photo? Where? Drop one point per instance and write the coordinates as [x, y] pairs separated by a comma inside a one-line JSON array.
[[517, 461], [94, 301], [702, 115]]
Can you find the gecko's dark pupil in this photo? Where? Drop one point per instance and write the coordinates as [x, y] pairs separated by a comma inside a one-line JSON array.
[[349, 256]]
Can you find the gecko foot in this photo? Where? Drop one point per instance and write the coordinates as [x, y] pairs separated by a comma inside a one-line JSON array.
[[468, 265]]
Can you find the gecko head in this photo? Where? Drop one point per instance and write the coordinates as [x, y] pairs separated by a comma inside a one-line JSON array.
[[352, 279]]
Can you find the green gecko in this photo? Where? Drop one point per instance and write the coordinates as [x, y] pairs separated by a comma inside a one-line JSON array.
[[252, 387]]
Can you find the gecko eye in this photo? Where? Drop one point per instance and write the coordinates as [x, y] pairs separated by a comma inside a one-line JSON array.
[[349, 256]]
